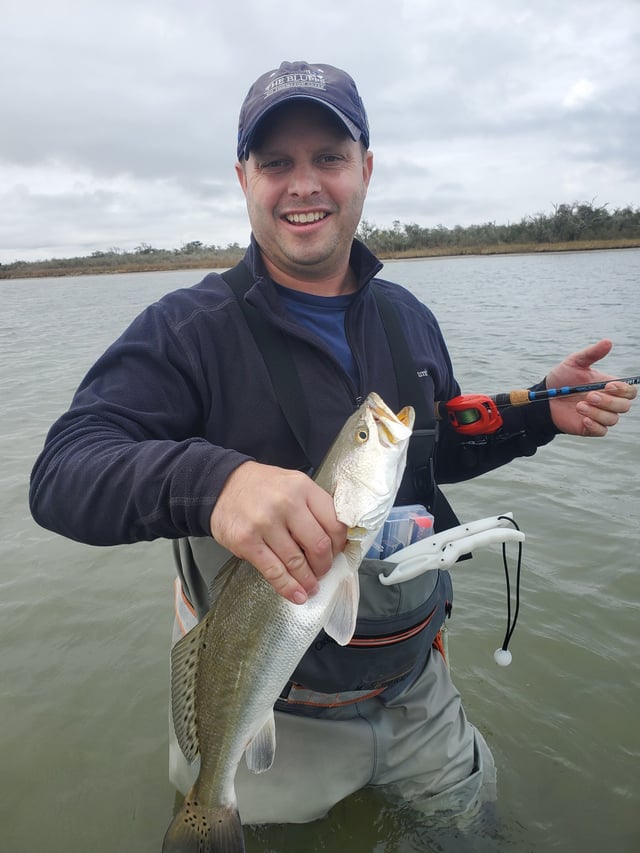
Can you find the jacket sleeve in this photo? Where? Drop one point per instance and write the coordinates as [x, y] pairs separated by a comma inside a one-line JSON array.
[[524, 429], [127, 461], [460, 457]]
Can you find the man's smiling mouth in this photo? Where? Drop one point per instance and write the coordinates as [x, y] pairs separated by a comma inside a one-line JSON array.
[[305, 218]]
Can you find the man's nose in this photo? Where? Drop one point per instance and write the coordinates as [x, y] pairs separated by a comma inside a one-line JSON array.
[[304, 180]]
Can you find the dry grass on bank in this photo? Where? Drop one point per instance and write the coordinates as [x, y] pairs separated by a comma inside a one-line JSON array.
[[89, 266], [513, 249]]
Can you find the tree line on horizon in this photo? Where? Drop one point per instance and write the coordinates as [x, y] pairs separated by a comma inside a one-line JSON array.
[[566, 224]]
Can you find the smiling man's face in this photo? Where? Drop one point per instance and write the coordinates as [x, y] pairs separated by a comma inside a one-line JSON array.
[[305, 182]]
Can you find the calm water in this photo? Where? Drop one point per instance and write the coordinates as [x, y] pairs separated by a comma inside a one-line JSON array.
[[85, 631]]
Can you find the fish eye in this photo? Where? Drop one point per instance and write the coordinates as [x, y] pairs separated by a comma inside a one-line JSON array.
[[362, 435]]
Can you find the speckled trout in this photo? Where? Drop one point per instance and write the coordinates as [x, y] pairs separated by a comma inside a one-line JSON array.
[[228, 671]]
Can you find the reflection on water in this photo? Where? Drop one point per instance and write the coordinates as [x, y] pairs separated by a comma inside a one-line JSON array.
[[85, 631]]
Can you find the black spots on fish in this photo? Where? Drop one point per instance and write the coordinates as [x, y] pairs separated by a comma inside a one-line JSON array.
[[191, 723], [191, 660], [196, 829], [189, 665], [197, 822], [189, 698], [185, 660]]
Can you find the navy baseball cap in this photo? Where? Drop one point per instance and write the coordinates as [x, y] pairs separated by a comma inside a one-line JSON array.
[[321, 83]]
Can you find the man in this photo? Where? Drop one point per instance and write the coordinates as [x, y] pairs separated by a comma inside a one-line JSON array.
[[177, 432]]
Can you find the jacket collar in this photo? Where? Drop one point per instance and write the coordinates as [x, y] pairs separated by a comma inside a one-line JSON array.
[[363, 262]]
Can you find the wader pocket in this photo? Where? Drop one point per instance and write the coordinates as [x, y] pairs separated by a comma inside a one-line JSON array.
[[384, 649]]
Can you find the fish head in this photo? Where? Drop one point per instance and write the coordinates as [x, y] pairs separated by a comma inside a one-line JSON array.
[[366, 464]]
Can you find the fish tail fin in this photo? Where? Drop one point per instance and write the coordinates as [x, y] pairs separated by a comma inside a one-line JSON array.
[[198, 830]]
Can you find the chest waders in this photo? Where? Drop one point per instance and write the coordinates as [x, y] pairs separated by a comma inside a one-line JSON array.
[[397, 626]]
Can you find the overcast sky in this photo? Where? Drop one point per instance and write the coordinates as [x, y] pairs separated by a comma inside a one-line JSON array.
[[118, 118]]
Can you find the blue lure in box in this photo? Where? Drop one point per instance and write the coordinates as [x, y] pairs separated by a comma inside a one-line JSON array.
[[404, 526]]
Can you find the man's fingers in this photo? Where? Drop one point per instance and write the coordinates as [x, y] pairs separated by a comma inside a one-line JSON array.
[[621, 391], [283, 580], [290, 559], [592, 429], [590, 355], [330, 536], [282, 523], [597, 417], [602, 409], [577, 368]]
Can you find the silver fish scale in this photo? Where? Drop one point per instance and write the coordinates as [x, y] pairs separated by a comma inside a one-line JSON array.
[[232, 696]]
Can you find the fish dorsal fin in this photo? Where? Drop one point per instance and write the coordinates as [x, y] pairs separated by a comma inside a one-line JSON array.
[[260, 753], [221, 579], [342, 619], [185, 657]]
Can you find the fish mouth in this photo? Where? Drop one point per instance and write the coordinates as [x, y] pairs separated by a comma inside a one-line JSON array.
[[406, 416], [392, 428]]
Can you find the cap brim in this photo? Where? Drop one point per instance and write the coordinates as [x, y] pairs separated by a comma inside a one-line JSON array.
[[352, 128]]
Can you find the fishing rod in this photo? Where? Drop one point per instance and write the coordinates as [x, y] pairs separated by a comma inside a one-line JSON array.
[[477, 414]]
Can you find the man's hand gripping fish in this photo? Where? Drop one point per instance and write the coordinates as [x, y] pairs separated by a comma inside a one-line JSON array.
[[227, 672]]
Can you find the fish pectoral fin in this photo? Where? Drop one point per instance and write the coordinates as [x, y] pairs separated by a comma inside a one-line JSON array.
[[261, 751], [353, 554], [185, 656], [341, 624]]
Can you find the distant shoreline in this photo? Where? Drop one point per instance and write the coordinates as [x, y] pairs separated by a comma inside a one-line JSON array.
[[89, 266], [514, 249]]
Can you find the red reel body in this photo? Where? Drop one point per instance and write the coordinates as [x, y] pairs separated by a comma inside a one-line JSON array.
[[473, 414]]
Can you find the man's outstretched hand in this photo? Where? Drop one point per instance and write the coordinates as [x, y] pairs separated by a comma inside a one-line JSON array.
[[593, 413]]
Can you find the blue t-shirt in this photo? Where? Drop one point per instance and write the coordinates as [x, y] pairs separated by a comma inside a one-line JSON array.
[[324, 315]]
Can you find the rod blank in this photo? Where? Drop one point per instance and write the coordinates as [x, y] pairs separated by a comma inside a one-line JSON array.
[[523, 396]]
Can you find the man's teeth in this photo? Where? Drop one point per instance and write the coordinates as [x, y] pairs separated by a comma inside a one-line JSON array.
[[301, 218]]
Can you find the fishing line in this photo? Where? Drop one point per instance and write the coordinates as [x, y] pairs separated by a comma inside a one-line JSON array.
[[502, 656]]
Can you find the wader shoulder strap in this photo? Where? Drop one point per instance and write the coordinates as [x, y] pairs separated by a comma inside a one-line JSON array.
[[277, 357], [422, 446], [425, 432], [403, 364]]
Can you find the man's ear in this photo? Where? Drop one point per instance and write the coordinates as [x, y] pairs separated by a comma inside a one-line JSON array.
[[242, 175], [367, 167]]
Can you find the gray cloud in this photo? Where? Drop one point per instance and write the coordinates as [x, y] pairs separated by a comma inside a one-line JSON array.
[[119, 119]]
